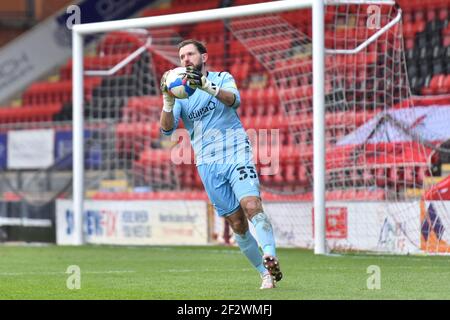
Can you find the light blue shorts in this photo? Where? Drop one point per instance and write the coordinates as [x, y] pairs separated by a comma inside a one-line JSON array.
[[227, 184]]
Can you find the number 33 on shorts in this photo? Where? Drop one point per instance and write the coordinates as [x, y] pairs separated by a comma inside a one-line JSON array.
[[246, 172]]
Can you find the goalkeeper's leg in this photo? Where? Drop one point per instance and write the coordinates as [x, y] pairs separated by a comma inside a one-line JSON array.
[[227, 206], [249, 247], [246, 188], [245, 240], [264, 231]]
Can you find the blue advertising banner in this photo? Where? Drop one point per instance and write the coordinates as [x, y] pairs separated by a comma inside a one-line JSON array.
[[3, 150], [106, 10], [97, 11], [63, 151]]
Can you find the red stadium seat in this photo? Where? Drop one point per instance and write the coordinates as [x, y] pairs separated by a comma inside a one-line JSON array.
[[120, 42], [152, 12], [421, 173], [407, 17], [410, 29], [412, 5], [443, 13], [153, 195], [57, 92], [210, 27], [236, 48], [394, 176], [240, 72], [335, 195], [446, 86], [446, 36], [430, 14], [419, 15], [439, 86], [409, 43], [436, 85], [371, 195], [132, 137], [409, 176], [39, 113], [145, 108], [291, 173]]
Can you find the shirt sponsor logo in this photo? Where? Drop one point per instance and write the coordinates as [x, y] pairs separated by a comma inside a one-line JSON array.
[[198, 114]]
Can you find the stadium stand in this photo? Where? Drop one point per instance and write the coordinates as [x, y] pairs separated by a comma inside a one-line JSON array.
[[134, 107]]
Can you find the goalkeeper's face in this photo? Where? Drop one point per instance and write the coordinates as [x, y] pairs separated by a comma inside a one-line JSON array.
[[190, 56]]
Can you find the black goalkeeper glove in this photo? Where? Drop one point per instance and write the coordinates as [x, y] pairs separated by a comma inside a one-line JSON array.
[[197, 80]]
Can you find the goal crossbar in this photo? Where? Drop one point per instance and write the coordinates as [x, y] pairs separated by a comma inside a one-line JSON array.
[[193, 17], [212, 14]]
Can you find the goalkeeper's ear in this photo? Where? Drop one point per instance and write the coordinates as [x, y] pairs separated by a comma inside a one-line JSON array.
[[204, 57]]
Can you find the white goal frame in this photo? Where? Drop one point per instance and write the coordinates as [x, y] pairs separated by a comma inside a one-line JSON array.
[[318, 27]]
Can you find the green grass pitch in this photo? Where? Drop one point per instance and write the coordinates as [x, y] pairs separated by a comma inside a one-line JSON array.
[[212, 272]]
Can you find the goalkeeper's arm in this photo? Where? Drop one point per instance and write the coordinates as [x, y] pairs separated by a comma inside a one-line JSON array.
[[198, 80], [226, 97], [167, 119]]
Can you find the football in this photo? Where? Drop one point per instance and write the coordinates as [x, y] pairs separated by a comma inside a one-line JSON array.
[[176, 85]]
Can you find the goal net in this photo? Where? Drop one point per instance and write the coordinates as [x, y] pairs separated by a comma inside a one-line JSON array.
[[382, 150]]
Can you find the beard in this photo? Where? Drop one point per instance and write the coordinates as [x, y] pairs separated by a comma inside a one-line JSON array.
[[198, 66]]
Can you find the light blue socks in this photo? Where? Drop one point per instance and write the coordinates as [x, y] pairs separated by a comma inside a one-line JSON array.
[[249, 247], [264, 233]]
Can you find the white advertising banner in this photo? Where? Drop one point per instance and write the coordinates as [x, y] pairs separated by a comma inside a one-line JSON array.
[[30, 149], [381, 226], [365, 226], [135, 222], [291, 222]]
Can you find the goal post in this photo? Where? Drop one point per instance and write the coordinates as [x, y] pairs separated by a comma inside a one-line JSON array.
[[77, 135], [354, 155], [318, 21], [79, 31]]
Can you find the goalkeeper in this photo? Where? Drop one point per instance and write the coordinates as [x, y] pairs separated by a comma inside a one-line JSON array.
[[223, 155]]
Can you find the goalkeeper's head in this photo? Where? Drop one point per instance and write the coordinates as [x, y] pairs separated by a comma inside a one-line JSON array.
[[193, 53]]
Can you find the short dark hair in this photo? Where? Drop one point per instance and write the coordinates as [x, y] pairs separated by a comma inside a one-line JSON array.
[[199, 45]]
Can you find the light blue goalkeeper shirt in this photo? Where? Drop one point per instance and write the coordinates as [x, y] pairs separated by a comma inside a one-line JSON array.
[[216, 132]]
